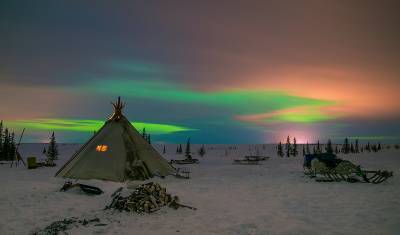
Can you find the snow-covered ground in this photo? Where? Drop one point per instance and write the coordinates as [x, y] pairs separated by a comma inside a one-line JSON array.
[[272, 198]]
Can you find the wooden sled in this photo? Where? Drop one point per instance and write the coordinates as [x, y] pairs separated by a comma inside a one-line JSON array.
[[185, 161], [329, 168], [182, 173], [258, 158], [246, 162], [45, 164]]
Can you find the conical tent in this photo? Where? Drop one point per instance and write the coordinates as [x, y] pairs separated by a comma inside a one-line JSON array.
[[117, 152]]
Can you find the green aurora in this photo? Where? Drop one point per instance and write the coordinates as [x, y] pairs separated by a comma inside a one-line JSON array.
[[89, 125], [309, 114], [239, 101]]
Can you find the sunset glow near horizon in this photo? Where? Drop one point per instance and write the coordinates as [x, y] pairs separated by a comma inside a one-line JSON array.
[[251, 72]]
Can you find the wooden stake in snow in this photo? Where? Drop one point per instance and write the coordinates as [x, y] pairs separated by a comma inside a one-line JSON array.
[[16, 153]]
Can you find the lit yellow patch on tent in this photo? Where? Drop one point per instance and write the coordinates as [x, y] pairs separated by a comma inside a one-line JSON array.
[[101, 148]]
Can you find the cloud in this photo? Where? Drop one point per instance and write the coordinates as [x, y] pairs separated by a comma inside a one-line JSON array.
[[136, 67]]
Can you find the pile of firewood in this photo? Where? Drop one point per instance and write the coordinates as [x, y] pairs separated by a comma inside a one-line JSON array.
[[147, 198]]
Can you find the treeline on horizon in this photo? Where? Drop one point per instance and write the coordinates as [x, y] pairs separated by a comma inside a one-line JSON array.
[[7, 144], [291, 149]]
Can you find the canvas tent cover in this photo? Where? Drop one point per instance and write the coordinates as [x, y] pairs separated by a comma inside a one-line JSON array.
[[117, 152]]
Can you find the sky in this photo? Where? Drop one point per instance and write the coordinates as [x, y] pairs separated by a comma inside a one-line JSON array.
[[221, 72]]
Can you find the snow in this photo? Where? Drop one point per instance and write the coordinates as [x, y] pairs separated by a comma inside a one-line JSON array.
[[272, 198]]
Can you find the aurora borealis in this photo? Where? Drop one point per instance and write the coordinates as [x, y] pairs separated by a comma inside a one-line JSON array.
[[217, 71], [89, 125]]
